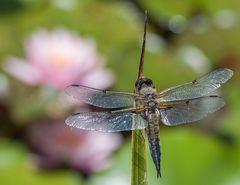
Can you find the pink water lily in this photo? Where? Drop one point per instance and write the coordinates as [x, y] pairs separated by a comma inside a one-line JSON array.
[[59, 58], [86, 151]]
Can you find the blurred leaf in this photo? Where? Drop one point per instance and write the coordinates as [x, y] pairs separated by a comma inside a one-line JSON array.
[[188, 157], [7, 5], [16, 167], [230, 123], [31, 103], [191, 157]]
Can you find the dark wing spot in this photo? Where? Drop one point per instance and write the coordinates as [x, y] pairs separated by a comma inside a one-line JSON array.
[[213, 96], [194, 81], [187, 102], [74, 114]]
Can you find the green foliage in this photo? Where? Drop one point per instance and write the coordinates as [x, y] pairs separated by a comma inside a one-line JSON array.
[[188, 157], [191, 157], [16, 166]]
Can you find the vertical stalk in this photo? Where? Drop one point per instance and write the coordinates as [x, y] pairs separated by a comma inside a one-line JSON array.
[[139, 164]]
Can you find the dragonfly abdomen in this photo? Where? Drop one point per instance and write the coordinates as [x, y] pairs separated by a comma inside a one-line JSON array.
[[153, 140]]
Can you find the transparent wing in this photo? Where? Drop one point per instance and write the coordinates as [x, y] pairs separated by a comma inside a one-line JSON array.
[[107, 121], [100, 98], [197, 88], [190, 111]]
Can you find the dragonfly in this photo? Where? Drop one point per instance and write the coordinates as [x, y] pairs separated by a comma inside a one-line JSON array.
[[145, 108]]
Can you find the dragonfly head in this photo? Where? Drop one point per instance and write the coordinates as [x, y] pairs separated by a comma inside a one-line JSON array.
[[143, 82]]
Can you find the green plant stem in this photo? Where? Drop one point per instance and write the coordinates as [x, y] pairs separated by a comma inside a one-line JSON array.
[[139, 165]]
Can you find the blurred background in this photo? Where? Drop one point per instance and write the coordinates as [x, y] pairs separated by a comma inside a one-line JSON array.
[[46, 45]]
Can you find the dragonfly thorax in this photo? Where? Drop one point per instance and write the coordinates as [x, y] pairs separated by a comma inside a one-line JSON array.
[[151, 104]]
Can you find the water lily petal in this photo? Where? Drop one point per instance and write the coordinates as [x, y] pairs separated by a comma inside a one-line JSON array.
[[22, 70]]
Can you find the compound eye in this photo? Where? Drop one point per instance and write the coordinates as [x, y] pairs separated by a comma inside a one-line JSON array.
[[138, 83], [143, 81], [148, 82]]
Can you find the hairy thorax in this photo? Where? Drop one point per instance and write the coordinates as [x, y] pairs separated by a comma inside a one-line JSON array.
[[151, 112]]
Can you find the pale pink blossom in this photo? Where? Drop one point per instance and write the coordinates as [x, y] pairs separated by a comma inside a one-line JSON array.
[[58, 59], [58, 145]]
